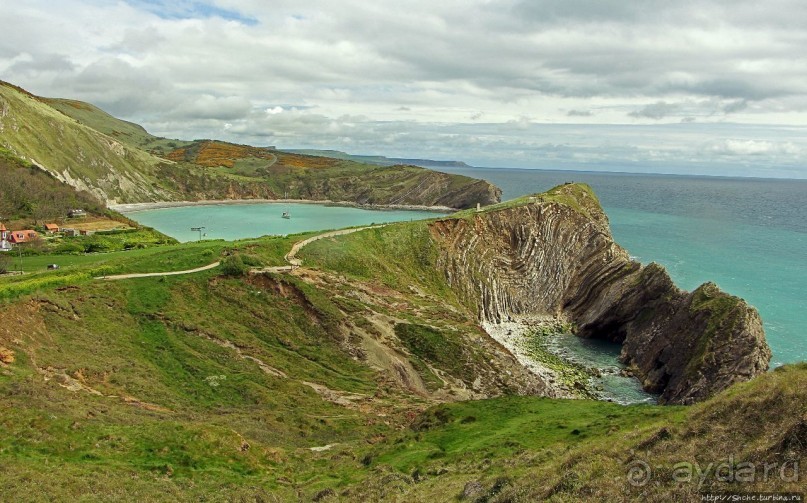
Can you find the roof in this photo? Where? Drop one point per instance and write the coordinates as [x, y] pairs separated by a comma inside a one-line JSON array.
[[22, 236], [51, 227], [3, 227]]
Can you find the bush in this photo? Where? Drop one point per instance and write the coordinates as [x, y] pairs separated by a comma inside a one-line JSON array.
[[251, 260], [233, 265], [69, 248]]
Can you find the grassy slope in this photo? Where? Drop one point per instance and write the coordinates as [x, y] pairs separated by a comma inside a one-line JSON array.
[[129, 133], [173, 401], [320, 178], [34, 130], [211, 169], [184, 410], [27, 193], [30, 197]]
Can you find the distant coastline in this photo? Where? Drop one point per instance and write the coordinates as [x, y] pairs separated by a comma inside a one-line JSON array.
[[135, 207]]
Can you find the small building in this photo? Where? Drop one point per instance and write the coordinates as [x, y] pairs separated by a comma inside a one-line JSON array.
[[51, 228], [71, 233], [76, 213], [23, 236], [4, 244]]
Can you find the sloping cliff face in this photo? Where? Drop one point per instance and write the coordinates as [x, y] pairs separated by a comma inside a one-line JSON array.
[[553, 255]]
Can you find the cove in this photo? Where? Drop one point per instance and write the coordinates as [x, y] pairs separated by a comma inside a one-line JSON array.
[[249, 220]]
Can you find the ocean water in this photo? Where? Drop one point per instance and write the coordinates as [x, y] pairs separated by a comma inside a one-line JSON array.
[[602, 355], [747, 235], [238, 221]]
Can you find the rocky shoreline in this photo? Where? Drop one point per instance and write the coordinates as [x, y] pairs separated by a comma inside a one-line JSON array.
[[135, 207], [554, 256], [514, 335]]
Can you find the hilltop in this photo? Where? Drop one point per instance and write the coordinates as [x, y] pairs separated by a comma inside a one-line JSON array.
[[120, 162], [380, 159], [362, 375]]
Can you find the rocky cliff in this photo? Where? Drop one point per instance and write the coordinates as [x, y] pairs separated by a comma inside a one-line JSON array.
[[553, 255]]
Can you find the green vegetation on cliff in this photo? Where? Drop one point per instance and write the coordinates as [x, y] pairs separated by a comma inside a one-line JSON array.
[[26, 192], [126, 132], [348, 379]]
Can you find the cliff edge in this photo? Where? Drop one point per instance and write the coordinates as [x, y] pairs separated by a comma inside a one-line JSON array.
[[553, 254]]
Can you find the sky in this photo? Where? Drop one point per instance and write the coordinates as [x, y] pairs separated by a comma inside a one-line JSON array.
[[715, 87]]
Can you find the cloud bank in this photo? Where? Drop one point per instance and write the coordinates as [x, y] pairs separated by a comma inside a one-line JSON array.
[[716, 87]]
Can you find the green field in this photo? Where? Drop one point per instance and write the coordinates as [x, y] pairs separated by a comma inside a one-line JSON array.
[[279, 387]]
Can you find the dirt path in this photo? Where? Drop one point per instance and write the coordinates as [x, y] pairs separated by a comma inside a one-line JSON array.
[[290, 257], [157, 274]]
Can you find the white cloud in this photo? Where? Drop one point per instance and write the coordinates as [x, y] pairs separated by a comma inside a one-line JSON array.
[[733, 147], [417, 78]]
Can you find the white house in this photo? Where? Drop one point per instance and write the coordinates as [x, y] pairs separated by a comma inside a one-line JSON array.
[[4, 244]]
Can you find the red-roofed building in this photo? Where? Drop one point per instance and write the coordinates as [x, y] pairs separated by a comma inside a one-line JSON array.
[[51, 228], [23, 236]]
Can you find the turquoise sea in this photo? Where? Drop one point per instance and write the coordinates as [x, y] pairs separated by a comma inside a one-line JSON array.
[[747, 235]]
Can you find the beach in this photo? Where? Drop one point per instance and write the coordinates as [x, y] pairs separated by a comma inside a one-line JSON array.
[[513, 335]]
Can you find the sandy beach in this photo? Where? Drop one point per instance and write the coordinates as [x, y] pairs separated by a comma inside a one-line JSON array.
[[134, 207]]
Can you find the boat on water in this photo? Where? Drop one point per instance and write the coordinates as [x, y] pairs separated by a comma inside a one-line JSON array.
[[286, 214]]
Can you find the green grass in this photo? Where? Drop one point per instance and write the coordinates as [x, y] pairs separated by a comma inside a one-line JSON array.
[[185, 409], [578, 196], [81, 268], [398, 255], [442, 349], [500, 428]]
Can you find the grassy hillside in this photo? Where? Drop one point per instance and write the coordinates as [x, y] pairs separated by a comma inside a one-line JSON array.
[[74, 153], [119, 161], [27, 192], [318, 178], [380, 160], [31, 197], [349, 380], [128, 133]]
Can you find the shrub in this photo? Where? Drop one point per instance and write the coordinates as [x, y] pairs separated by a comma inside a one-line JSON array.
[[233, 265]]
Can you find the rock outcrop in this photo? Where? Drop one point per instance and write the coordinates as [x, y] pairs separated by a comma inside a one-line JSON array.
[[552, 254]]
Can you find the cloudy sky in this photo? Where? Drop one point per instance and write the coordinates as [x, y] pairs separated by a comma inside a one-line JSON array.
[[712, 87]]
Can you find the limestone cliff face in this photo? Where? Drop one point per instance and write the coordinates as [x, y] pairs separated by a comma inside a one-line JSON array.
[[553, 254]]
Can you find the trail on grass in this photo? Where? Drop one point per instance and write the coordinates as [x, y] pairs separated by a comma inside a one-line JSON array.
[[290, 257], [156, 274]]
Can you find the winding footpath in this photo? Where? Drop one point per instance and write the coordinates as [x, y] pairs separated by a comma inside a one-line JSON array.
[[290, 257], [157, 274]]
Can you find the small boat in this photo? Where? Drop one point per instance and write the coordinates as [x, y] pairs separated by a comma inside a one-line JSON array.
[[286, 214]]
